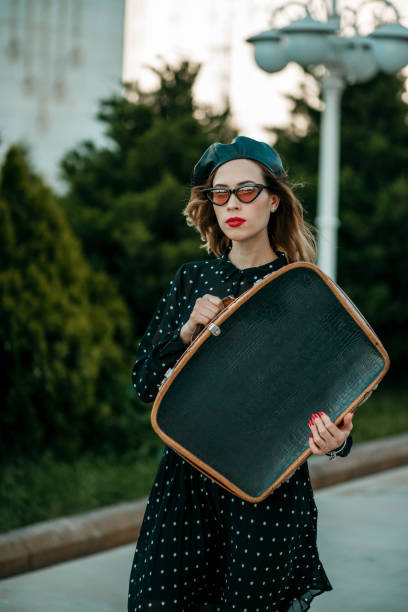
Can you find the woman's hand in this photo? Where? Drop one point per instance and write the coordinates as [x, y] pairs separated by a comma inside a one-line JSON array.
[[205, 309], [326, 436]]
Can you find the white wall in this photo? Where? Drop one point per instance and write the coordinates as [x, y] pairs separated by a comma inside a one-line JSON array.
[[58, 58]]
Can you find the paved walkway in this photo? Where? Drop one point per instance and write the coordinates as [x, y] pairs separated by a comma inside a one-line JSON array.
[[363, 543]]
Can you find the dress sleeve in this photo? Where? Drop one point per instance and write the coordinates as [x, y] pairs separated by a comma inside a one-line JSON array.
[[161, 344]]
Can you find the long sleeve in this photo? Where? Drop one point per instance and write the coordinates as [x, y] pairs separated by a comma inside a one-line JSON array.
[[161, 344]]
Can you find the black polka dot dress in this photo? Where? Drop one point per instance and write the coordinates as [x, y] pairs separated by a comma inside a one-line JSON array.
[[200, 547]]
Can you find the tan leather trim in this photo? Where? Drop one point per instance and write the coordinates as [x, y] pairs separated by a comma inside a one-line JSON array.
[[204, 334]]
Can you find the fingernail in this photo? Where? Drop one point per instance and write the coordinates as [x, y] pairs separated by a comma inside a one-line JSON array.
[[311, 422], [314, 416], [311, 436], [320, 414]]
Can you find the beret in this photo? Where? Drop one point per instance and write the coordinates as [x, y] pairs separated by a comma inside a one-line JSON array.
[[241, 147]]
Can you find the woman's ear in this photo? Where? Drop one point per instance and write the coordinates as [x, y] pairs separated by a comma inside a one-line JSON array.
[[274, 202]]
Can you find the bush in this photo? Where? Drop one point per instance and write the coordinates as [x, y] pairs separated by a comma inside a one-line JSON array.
[[64, 328]]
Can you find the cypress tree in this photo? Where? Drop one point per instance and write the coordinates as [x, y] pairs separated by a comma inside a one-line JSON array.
[[63, 326]]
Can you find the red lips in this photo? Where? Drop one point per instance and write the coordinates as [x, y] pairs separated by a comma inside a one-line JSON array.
[[235, 221]]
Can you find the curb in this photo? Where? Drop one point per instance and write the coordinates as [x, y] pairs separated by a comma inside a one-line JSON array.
[[30, 548], [49, 542]]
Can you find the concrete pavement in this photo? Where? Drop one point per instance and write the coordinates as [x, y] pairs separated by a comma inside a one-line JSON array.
[[363, 544]]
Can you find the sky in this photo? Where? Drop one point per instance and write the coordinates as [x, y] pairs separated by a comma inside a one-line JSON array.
[[213, 32]]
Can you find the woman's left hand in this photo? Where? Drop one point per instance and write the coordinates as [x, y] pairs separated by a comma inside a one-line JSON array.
[[326, 436]]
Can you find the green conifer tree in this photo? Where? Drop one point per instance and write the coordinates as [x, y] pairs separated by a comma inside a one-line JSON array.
[[63, 327], [125, 200]]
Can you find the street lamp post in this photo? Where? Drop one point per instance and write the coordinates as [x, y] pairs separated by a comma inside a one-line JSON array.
[[335, 59]]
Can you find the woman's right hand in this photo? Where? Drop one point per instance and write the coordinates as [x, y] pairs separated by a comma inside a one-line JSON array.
[[205, 309]]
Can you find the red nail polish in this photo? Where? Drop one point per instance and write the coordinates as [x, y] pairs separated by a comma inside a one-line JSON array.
[[320, 414], [311, 422], [311, 436], [314, 416]]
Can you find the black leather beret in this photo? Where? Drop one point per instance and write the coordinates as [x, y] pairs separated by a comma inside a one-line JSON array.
[[240, 148]]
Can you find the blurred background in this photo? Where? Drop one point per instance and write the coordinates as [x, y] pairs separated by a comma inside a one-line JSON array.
[[105, 107]]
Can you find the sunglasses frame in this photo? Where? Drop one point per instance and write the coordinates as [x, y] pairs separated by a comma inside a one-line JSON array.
[[207, 192]]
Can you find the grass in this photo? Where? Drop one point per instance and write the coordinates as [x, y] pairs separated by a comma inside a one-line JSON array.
[[384, 414], [32, 491]]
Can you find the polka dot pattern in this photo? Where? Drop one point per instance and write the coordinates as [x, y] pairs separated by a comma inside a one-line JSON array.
[[200, 547]]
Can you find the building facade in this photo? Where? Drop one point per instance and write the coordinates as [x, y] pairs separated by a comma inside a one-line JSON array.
[[58, 58]]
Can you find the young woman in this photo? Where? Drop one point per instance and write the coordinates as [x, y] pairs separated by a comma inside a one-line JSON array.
[[200, 547]]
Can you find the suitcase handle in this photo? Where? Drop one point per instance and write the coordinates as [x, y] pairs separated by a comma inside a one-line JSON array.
[[214, 329]]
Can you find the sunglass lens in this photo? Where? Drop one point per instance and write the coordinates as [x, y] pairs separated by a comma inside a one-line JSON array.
[[248, 193], [219, 196]]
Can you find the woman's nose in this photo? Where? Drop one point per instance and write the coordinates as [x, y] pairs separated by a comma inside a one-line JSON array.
[[233, 202]]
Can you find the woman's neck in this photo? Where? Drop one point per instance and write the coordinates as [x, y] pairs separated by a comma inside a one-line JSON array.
[[249, 255]]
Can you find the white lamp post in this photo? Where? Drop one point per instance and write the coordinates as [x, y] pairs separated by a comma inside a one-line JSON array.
[[336, 60]]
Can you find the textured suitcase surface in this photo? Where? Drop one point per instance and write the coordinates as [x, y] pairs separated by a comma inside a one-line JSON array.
[[237, 405]]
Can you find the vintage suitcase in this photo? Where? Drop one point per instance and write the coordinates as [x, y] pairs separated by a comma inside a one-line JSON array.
[[237, 403]]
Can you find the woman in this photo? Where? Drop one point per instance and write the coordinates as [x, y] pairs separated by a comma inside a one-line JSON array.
[[200, 547]]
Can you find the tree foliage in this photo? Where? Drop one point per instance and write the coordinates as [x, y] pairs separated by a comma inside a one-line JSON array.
[[125, 200], [76, 293], [373, 204], [63, 327]]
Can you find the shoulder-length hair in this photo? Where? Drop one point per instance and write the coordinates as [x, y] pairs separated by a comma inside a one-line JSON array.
[[287, 229]]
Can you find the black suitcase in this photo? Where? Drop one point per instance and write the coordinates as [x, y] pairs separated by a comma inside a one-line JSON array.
[[237, 403]]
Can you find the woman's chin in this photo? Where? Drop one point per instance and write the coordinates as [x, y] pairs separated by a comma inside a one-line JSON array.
[[240, 234], [237, 233]]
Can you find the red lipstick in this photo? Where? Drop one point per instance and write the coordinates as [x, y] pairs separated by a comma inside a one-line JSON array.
[[235, 221]]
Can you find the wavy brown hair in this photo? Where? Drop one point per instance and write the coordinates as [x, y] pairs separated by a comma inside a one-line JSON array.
[[287, 229]]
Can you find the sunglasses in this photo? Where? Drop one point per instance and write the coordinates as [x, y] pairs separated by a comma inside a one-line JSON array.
[[246, 194]]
